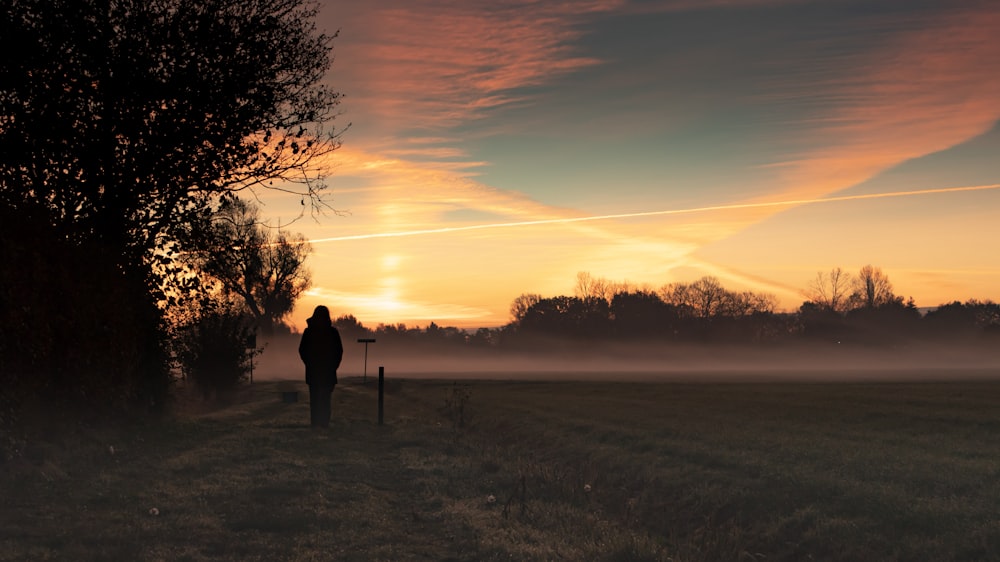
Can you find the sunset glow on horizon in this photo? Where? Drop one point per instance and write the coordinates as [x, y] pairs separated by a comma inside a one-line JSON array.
[[499, 148]]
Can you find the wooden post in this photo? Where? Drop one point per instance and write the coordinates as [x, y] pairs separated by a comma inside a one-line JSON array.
[[381, 393], [251, 346]]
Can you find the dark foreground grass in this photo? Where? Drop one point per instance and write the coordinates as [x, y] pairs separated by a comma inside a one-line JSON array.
[[529, 471]]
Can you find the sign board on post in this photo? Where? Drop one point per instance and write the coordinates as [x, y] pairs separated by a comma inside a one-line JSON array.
[[366, 341]]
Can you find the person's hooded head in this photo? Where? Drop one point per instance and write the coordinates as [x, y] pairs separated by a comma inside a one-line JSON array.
[[320, 317]]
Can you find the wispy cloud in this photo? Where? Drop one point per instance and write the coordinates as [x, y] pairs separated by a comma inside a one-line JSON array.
[[431, 65], [930, 86], [422, 190]]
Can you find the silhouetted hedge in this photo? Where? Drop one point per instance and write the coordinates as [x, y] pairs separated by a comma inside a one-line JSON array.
[[79, 333]]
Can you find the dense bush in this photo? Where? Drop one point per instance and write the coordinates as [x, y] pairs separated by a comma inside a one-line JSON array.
[[214, 349]]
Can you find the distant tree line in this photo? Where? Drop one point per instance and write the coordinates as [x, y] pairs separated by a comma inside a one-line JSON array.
[[840, 309]]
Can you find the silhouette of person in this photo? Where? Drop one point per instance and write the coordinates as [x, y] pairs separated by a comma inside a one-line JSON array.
[[321, 350]]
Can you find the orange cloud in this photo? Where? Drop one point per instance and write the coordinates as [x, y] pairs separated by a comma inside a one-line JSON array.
[[435, 65], [927, 90]]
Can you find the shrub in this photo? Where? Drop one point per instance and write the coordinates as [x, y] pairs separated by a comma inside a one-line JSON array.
[[213, 349]]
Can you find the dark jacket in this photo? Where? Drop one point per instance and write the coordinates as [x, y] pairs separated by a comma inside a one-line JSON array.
[[321, 350]]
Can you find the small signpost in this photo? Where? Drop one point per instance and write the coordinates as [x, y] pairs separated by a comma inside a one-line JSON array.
[[366, 341]]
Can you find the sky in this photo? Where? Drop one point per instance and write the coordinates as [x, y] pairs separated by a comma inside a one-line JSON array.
[[499, 148]]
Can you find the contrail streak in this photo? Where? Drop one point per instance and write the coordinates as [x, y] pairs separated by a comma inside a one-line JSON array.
[[788, 203]]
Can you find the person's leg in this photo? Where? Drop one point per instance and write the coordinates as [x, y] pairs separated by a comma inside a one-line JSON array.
[[329, 404], [323, 412], [315, 404]]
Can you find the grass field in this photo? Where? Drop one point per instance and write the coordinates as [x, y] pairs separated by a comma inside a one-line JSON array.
[[527, 471]]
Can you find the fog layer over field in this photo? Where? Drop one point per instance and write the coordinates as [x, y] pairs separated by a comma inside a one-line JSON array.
[[633, 362]]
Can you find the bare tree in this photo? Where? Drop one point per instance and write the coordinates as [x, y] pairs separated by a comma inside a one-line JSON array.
[[585, 284], [588, 286], [680, 296], [872, 289], [831, 290], [709, 296], [705, 297], [262, 265], [748, 303], [618, 288]]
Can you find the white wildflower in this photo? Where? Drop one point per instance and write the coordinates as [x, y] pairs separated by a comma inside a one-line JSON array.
[[153, 511], [586, 488], [491, 499]]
